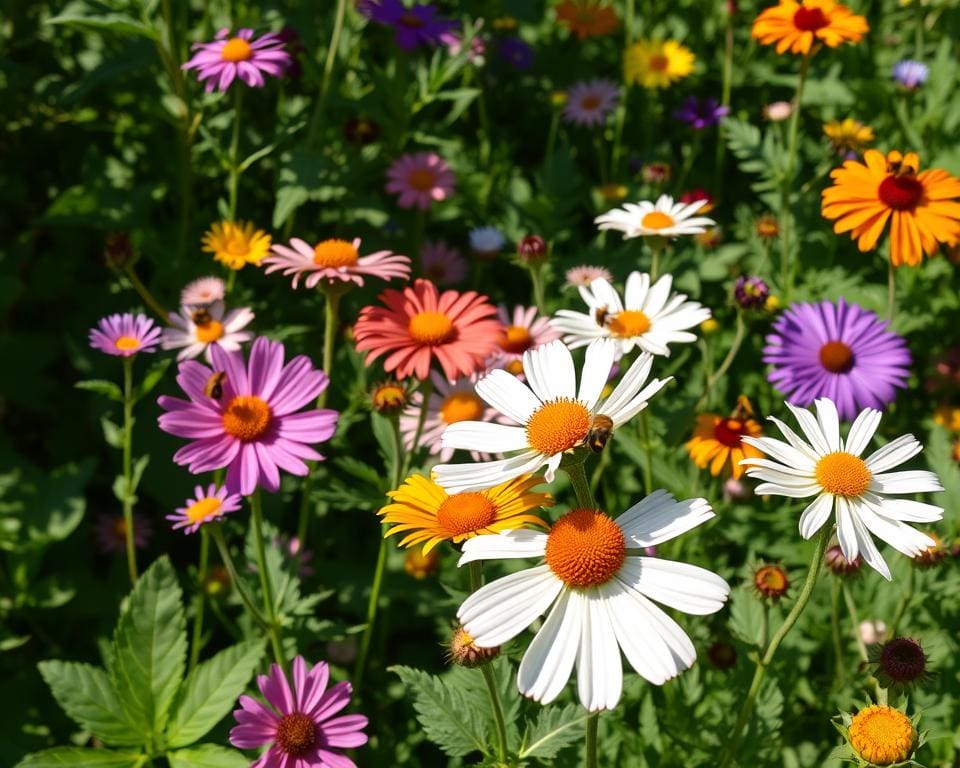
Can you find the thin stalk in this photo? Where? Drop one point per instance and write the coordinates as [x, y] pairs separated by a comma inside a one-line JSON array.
[[426, 388], [476, 581], [128, 469], [904, 602], [234, 181], [855, 621], [647, 450], [217, 533], [200, 601], [655, 248], [552, 134], [891, 291], [628, 24], [148, 298], [787, 186], [835, 590], [591, 752], [764, 625], [802, 599], [726, 91], [575, 468], [727, 362], [536, 277], [328, 65], [269, 603]]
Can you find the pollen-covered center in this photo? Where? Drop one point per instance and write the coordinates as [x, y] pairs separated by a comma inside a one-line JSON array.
[[590, 102], [210, 332], [516, 339], [656, 220], [729, 432], [771, 580], [629, 323], [236, 49], [126, 343], [296, 734], [466, 513], [246, 417], [902, 193], [809, 19], [431, 328], [585, 548], [335, 253], [422, 179], [882, 735], [836, 357], [558, 426], [461, 406], [843, 474], [237, 246], [659, 63], [204, 509]]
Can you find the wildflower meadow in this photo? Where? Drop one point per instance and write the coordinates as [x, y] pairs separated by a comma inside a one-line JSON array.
[[513, 383]]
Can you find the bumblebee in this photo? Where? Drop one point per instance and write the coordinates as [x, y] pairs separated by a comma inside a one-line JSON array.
[[201, 316], [214, 386], [600, 314], [600, 430]]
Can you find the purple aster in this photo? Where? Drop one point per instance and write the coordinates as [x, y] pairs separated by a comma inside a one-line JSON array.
[[589, 102], [516, 52], [225, 59], [750, 292], [413, 26], [910, 74], [125, 335], [836, 350], [700, 114]]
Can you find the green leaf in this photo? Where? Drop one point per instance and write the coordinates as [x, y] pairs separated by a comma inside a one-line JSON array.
[[112, 433], [150, 648], [746, 615], [153, 377], [383, 432], [552, 730], [444, 714], [105, 21], [86, 695], [101, 387], [80, 756], [211, 691], [207, 756]]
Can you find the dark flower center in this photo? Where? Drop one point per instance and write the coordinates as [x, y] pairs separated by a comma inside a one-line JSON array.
[[836, 357], [410, 20], [903, 659], [296, 734], [809, 19], [729, 432], [902, 193]]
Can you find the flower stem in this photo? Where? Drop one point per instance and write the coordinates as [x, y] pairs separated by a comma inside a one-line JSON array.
[[426, 388], [787, 185], [904, 602], [891, 291], [647, 450], [725, 365], [835, 590], [217, 533], [328, 65], [234, 159], [199, 602], [591, 758], [269, 603], [855, 621], [148, 298], [476, 581], [536, 277], [128, 469], [802, 599], [552, 134], [574, 466], [724, 101]]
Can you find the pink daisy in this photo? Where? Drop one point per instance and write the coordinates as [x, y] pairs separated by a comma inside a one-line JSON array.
[[334, 261], [223, 60], [581, 277], [204, 507], [442, 264], [523, 331], [421, 324], [590, 102], [125, 335], [243, 415], [197, 331], [203, 291], [299, 725], [420, 178]]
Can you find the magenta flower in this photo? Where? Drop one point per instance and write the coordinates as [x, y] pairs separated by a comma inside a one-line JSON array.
[[125, 335], [334, 261], [243, 416], [300, 728], [589, 102], [420, 179], [220, 62], [204, 507], [414, 26]]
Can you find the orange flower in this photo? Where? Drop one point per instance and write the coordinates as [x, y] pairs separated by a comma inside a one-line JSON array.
[[586, 18], [717, 441], [920, 206], [796, 26]]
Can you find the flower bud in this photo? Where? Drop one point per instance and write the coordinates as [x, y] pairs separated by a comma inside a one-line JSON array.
[[722, 655], [420, 565], [118, 251], [901, 663], [465, 653], [834, 560], [533, 249], [767, 227], [388, 398], [750, 292], [771, 581]]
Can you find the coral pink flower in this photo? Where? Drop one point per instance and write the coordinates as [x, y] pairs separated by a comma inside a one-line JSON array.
[[299, 725], [243, 415], [420, 179], [125, 335], [420, 324], [334, 261], [521, 331], [223, 60]]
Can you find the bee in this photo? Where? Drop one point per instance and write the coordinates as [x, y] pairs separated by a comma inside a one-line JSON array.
[[600, 314], [744, 409], [201, 316], [214, 386], [600, 430]]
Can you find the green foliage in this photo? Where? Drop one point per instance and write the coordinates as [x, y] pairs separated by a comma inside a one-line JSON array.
[[553, 729]]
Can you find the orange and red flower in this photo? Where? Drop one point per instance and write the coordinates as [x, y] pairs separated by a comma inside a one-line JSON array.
[[586, 18], [798, 26]]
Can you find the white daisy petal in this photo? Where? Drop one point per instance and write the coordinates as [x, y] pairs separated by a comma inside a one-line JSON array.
[[485, 436], [906, 509], [862, 431], [660, 517], [846, 533], [910, 481], [509, 395], [898, 535], [893, 454], [682, 586], [795, 440], [596, 369], [811, 429], [829, 422], [635, 290], [478, 476], [599, 674], [816, 515], [781, 451], [793, 492], [548, 662], [784, 469], [504, 546], [869, 552]]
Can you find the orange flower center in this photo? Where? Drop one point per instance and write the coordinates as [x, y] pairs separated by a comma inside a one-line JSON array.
[[656, 220], [461, 406], [296, 734], [771, 581], [236, 49], [237, 246], [836, 357], [334, 254], [810, 19], [466, 513], [843, 474], [516, 339], [590, 102], [629, 323], [210, 332], [205, 509], [585, 548], [431, 328], [558, 426], [120, 529], [422, 179], [126, 343], [902, 193], [389, 396], [246, 417], [882, 735], [516, 368], [729, 431], [659, 63]]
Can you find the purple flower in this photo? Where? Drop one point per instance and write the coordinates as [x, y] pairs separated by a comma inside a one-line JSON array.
[[413, 26], [589, 102], [750, 292], [515, 52], [910, 74], [223, 60], [839, 351], [125, 335], [701, 114]]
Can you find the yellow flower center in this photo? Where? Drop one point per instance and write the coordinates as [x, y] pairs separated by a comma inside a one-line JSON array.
[[335, 253], [126, 343], [585, 548], [881, 735], [629, 323], [659, 62], [236, 49], [237, 246], [843, 474], [656, 220], [296, 734], [466, 513], [203, 510], [515, 367], [836, 357], [771, 581], [461, 406], [210, 332], [389, 396], [246, 417], [516, 339], [431, 328], [558, 426], [422, 179]]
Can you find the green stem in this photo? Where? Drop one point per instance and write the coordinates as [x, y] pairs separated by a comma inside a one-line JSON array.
[[764, 625], [128, 469], [327, 71], [426, 387], [891, 291], [217, 533], [835, 590], [591, 752], [148, 298], [234, 182], [536, 277], [802, 599], [724, 101], [476, 581], [552, 134], [269, 603], [199, 601], [575, 467], [787, 186], [647, 450], [904, 601], [855, 621], [655, 247], [628, 23], [725, 365]]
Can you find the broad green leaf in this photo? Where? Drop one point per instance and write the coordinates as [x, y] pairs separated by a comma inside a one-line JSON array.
[[211, 691], [80, 756], [153, 377], [86, 695], [119, 23], [207, 756], [150, 647], [552, 730], [101, 387], [746, 615], [112, 433]]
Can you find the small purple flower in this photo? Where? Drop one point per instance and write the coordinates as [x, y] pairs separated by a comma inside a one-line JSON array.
[[516, 52], [590, 102], [223, 60], [910, 74], [750, 292], [414, 26], [125, 335], [700, 114]]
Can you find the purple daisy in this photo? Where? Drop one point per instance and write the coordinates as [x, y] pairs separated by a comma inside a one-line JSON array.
[[910, 74], [300, 728], [243, 415], [700, 114], [413, 26], [225, 59], [204, 507], [589, 102], [750, 292], [125, 335], [516, 52], [840, 351]]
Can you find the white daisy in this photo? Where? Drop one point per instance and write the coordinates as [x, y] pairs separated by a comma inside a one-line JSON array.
[[664, 218], [648, 317], [551, 414], [601, 596], [831, 469], [197, 329]]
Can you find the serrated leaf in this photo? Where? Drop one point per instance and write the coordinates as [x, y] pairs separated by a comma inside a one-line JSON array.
[[101, 387], [85, 693], [150, 648], [211, 691], [207, 756], [80, 756], [746, 616], [552, 730]]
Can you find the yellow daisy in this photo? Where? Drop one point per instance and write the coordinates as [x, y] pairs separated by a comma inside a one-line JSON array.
[[657, 63], [718, 442], [236, 243], [429, 515], [848, 135]]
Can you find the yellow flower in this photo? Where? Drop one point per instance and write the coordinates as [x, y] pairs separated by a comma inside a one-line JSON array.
[[421, 564], [428, 515], [848, 135], [236, 243], [947, 416], [881, 735], [656, 63]]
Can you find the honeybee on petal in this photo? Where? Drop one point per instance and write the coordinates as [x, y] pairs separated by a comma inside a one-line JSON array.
[[201, 316], [214, 386], [600, 430], [600, 314]]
